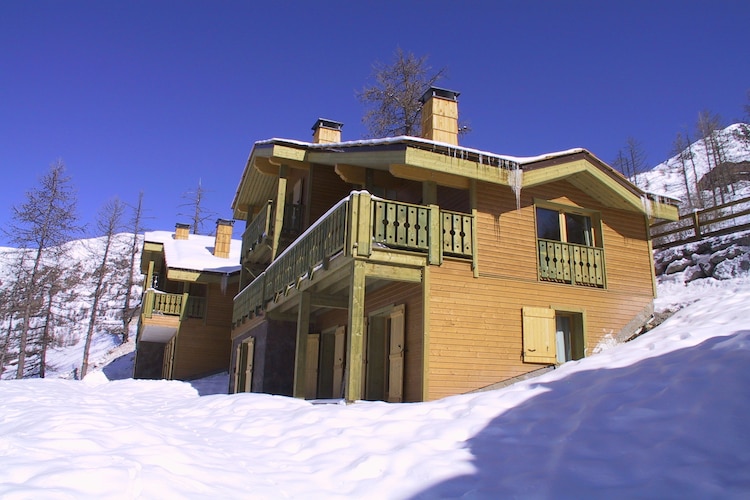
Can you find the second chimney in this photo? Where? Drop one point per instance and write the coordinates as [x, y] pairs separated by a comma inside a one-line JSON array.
[[326, 131], [181, 231], [440, 115], [223, 242]]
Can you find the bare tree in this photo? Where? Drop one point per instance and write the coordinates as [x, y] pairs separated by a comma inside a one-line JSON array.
[[393, 97], [195, 203], [136, 227], [46, 220], [631, 161], [108, 224], [709, 125], [680, 148]]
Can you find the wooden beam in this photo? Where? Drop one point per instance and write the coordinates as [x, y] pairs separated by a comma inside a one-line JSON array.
[[356, 330], [393, 273], [458, 167], [278, 207], [426, 175], [289, 153], [271, 166], [330, 301], [351, 174], [300, 353]]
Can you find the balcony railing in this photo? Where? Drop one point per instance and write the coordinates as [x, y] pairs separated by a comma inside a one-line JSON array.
[[262, 226], [196, 307], [163, 303], [360, 224], [570, 263], [258, 229]]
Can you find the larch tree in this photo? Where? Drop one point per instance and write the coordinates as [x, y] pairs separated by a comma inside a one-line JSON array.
[[40, 225], [109, 223], [709, 125], [392, 99], [136, 227], [631, 160], [195, 203], [680, 148]]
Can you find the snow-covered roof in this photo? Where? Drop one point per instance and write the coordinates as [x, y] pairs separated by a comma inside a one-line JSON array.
[[196, 252]]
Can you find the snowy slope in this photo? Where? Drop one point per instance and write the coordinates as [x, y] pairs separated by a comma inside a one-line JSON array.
[[667, 178], [664, 416], [73, 306]]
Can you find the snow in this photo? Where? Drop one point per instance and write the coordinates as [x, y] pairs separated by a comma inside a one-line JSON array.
[[663, 416], [196, 253]]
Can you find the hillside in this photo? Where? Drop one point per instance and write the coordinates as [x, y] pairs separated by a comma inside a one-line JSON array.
[[667, 177], [71, 308]]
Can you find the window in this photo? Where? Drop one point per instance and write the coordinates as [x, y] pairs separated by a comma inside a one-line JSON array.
[[569, 245], [554, 224], [551, 336]]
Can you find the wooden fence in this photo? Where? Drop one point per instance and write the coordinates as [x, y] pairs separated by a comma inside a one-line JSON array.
[[694, 226]]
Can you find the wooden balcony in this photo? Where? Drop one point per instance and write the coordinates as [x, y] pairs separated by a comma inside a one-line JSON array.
[[570, 263], [161, 315], [359, 226]]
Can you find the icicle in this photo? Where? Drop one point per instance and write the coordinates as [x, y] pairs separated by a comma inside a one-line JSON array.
[[515, 181], [224, 283], [647, 206]]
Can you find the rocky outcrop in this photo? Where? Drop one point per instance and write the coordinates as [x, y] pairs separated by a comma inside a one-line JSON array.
[[719, 258]]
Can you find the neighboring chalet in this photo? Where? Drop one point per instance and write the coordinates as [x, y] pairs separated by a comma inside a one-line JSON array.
[[409, 269], [186, 313]]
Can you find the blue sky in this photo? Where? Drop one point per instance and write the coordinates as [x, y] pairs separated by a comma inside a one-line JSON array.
[[157, 95]]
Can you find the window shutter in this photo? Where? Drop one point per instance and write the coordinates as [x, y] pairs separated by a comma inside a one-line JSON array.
[[396, 356], [338, 361], [311, 375], [539, 335]]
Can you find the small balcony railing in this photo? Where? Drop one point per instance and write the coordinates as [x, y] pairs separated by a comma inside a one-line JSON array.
[[571, 263], [360, 224], [258, 229], [262, 226], [171, 304], [196, 307]]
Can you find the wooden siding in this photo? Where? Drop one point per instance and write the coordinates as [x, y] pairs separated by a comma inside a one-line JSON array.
[[329, 189], [201, 349], [204, 345], [506, 236], [409, 294], [475, 324]]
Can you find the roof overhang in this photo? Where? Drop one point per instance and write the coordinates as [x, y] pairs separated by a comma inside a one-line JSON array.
[[422, 160]]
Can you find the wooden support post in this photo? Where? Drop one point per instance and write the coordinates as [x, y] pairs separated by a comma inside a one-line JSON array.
[[435, 249], [355, 349], [278, 221], [363, 224], [696, 224], [300, 353], [429, 193], [150, 276]]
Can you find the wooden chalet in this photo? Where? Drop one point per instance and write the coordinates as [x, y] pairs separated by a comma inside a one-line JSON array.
[[186, 312], [410, 268]]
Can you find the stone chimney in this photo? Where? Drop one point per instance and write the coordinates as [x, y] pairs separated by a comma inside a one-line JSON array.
[[326, 131], [181, 231], [440, 115], [223, 238]]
